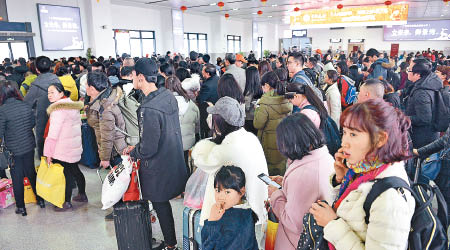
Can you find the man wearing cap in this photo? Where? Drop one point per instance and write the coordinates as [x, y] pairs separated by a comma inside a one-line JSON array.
[[240, 60], [162, 171], [237, 72]]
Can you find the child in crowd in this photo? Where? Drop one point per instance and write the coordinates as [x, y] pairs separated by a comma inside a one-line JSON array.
[[228, 226]]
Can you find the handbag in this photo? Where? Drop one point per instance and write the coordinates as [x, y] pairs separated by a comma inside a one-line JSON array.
[[431, 166], [28, 195], [116, 183], [51, 183], [312, 236], [195, 190], [272, 228], [4, 157], [133, 192]]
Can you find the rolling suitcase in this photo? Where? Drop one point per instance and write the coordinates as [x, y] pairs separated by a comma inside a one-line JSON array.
[[192, 231], [133, 225], [89, 157]]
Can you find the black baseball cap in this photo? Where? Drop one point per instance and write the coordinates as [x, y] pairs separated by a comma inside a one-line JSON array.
[[146, 66]]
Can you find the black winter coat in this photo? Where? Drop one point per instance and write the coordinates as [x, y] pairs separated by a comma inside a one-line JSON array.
[[419, 108], [393, 98], [162, 171], [208, 91], [16, 126], [436, 146]]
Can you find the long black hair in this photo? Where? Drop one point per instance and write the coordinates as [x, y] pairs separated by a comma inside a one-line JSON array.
[[173, 84], [182, 73], [343, 67], [274, 82], [312, 98], [252, 83], [228, 86], [297, 136]]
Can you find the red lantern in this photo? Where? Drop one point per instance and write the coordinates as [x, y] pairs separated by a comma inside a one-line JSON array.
[[296, 9], [264, 2], [340, 6], [387, 3], [227, 16], [183, 8], [446, 2], [260, 12], [220, 4]]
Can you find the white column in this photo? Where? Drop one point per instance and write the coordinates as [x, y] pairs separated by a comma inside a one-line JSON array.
[[100, 27]]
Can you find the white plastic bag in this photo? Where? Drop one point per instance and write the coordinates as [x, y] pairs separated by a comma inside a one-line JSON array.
[[116, 183], [195, 190]]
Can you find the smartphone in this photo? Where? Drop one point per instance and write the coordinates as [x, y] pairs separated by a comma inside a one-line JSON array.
[[268, 181]]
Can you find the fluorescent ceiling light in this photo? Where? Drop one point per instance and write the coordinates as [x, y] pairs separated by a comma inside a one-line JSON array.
[[254, 13], [269, 16], [235, 9], [212, 4], [274, 5]]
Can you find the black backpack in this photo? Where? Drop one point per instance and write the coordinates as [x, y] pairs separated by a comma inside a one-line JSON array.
[[330, 132], [428, 230], [313, 76], [441, 112]]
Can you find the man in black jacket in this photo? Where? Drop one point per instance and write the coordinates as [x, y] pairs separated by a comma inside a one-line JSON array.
[[208, 93], [419, 103], [162, 171]]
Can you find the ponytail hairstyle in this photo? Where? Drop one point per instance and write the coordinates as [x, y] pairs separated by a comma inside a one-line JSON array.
[[312, 98], [274, 82], [60, 88]]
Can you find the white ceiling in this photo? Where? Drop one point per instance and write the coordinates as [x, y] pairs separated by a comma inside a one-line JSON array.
[[275, 10]]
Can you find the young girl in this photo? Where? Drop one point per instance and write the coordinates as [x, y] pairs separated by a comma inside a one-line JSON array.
[[229, 227]]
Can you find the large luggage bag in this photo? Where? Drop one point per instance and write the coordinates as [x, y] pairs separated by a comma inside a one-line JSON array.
[[192, 231], [89, 157], [133, 225]]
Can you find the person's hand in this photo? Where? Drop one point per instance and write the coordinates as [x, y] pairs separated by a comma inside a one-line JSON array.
[[271, 189], [365, 73], [278, 179], [217, 212], [127, 150], [104, 164], [322, 213], [415, 152], [339, 166], [210, 104], [49, 160]]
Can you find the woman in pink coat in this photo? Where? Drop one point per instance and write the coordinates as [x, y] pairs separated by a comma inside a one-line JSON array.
[[63, 140], [306, 179]]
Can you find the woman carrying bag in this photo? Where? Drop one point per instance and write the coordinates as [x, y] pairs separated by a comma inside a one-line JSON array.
[[16, 127], [63, 141]]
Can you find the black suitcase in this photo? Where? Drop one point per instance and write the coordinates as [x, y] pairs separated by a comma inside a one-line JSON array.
[[133, 225]]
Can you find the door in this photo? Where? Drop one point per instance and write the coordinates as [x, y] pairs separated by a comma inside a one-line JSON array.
[[13, 50], [5, 52]]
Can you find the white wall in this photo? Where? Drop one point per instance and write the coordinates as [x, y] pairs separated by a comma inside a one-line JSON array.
[[373, 39], [26, 11], [270, 35]]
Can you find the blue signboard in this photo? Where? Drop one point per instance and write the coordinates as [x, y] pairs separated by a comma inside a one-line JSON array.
[[60, 27], [418, 30]]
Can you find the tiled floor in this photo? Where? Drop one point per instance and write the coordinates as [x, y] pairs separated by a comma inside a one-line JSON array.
[[82, 229]]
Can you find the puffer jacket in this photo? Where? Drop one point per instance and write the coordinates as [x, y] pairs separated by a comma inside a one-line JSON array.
[[389, 222], [272, 109], [64, 135], [16, 126], [104, 115], [420, 106], [27, 84], [191, 86], [189, 116], [69, 84]]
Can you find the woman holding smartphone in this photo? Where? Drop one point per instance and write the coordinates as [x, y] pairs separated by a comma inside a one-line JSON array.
[[374, 146], [306, 179]]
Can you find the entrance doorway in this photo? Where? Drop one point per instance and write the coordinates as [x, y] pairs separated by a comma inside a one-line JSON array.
[[354, 47], [14, 50]]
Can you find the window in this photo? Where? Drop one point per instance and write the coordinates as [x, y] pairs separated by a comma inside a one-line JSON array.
[[135, 42], [195, 42], [233, 44]]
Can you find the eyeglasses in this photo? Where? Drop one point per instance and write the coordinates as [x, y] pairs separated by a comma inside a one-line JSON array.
[[290, 95], [410, 71]]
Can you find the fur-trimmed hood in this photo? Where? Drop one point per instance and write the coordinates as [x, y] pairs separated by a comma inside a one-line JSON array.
[[65, 103]]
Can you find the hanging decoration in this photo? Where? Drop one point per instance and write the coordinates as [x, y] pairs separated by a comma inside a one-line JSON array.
[[227, 16], [220, 4], [264, 2], [98, 1], [296, 9], [260, 12], [446, 2], [387, 3], [340, 6], [183, 8]]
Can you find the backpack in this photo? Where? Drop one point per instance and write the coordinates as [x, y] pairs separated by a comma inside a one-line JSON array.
[[350, 95], [441, 112], [428, 230], [313, 76], [330, 132], [128, 106]]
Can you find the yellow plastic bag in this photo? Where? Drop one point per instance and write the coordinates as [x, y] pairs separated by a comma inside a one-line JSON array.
[[271, 233], [28, 195], [51, 183]]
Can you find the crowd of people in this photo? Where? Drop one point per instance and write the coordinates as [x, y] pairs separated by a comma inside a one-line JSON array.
[[238, 118]]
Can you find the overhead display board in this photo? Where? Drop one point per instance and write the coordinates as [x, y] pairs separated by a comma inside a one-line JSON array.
[[60, 27], [300, 33], [418, 30], [351, 16]]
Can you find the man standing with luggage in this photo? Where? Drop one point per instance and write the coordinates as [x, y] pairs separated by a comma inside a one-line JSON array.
[[162, 170]]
